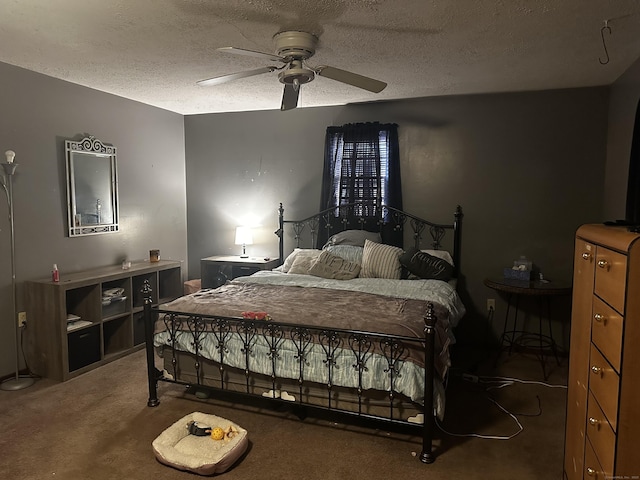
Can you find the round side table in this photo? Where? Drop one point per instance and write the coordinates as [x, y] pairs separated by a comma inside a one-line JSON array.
[[543, 291]]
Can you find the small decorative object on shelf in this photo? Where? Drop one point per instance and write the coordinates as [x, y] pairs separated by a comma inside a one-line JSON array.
[[154, 255], [55, 273]]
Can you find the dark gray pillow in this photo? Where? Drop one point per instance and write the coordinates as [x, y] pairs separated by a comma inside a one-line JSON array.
[[423, 265], [353, 237]]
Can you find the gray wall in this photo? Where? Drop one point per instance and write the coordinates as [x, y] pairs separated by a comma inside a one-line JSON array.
[[527, 169], [37, 114]]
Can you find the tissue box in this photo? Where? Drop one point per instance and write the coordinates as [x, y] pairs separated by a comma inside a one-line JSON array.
[[517, 274]]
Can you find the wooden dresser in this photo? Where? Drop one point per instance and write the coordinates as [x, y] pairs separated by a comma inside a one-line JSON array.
[[603, 400]]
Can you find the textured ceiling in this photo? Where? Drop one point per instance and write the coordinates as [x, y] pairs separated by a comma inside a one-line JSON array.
[[154, 51]]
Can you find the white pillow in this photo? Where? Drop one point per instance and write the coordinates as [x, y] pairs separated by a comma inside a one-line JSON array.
[[303, 262], [298, 251], [381, 261], [334, 267]]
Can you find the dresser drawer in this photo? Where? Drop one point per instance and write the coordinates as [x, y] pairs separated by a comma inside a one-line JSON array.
[[592, 468], [604, 385], [611, 273], [243, 271], [606, 331], [601, 436]]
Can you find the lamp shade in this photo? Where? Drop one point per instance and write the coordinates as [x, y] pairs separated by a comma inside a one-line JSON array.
[[244, 236]]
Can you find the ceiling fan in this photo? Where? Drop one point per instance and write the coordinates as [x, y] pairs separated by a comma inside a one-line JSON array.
[[293, 49]]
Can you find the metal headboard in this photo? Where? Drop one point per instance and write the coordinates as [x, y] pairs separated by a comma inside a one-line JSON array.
[[356, 216]]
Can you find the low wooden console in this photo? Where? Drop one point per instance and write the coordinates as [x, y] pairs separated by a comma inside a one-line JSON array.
[[71, 329]]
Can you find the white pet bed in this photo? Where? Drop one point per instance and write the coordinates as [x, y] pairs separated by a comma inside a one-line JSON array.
[[202, 455]]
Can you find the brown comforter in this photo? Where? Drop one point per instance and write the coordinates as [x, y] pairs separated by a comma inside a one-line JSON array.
[[321, 307]]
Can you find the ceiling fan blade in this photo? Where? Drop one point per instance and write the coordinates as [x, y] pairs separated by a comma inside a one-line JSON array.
[[350, 78], [290, 96], [252, 53], [235, 76]]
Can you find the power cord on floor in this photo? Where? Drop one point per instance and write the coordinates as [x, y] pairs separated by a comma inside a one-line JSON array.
[[506, 381], [492, 383], [487, 437], [30, 374]]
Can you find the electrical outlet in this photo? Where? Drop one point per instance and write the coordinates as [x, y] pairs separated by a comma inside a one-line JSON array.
[[22, 318], [491, 304]]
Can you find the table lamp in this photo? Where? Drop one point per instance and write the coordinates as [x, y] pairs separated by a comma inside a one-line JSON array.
[[244, 238]]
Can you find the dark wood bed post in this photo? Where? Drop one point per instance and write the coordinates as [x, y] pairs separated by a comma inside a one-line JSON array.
[[457, 240], [427, 456], [148, 337]]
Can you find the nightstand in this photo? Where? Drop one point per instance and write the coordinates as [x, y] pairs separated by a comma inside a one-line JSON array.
[[232, 266], [543, 291]]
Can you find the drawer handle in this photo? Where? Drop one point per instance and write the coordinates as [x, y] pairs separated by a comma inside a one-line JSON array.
[[598, 317], [591, 471], [603, 264], [586, 256], [596, 370]]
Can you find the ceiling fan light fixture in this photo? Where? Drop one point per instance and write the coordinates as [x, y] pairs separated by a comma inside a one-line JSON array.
[[296, 75]]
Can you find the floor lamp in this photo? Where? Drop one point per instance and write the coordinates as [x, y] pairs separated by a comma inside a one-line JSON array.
[[17, 382]]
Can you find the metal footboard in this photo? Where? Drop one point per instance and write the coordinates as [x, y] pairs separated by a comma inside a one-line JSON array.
[[277, 340]]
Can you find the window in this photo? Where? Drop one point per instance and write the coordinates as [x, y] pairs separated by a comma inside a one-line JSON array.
[[361, 166]]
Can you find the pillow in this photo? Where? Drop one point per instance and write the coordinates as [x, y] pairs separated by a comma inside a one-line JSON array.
[[426, 266], [381, 261], [353, 237], [303, 261], [332, 266], [443, 254], [348, 252], [298, 251]]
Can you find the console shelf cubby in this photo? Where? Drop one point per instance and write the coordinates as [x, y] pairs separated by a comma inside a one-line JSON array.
[[92, 317]]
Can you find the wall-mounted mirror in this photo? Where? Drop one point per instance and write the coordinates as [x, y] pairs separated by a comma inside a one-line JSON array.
[[92, 187]]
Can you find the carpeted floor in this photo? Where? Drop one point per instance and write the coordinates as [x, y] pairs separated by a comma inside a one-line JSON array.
[[97, 426]]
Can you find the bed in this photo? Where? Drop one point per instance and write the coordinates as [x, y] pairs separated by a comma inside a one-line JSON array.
[[349, 324]]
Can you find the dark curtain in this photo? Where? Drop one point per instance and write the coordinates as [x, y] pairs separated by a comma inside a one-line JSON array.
[[361, 165]]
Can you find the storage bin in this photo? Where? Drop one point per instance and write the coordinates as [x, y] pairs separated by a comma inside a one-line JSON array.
[[84, 347]]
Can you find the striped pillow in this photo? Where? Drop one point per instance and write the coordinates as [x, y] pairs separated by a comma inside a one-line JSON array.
[[380, 261]]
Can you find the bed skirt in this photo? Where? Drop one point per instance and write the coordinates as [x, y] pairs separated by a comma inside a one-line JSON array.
[[370, 402]]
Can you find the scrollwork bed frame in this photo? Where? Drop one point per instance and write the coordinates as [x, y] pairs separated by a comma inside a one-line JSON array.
[[274, 334]]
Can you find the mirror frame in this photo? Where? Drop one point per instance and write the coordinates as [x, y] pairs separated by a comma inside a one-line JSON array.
[[90, 146]]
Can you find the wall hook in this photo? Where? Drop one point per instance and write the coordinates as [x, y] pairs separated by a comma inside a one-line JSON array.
[[604, 43]]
